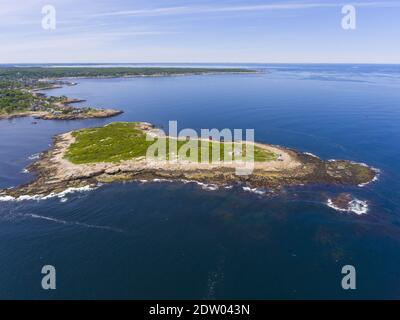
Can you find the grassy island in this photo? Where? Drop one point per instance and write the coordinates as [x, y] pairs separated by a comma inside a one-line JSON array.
[[116, 152], [126, 140]]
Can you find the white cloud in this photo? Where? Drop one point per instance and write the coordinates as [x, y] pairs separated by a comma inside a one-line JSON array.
[[259, 7]]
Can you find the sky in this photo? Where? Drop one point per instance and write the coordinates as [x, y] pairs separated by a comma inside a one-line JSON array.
[[195, 31]]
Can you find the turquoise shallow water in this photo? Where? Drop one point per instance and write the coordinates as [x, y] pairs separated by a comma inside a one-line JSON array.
[[169, 240]]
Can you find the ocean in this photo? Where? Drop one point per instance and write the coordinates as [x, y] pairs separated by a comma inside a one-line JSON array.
[[183, 241]]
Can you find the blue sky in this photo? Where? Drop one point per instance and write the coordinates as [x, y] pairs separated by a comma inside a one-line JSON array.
[[200, 31]]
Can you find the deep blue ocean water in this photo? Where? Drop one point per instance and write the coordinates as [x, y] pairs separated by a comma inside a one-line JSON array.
[[169, 240]]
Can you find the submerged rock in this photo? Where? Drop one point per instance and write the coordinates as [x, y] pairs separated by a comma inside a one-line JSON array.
[[346, 202]]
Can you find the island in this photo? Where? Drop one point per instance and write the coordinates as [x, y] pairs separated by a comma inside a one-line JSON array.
[[117, 152], [20, 89]]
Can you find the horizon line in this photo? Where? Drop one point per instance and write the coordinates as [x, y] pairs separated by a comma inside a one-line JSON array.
[[193, 63]]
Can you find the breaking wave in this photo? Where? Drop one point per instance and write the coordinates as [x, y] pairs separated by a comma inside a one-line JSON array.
[[254, 190], [34, 156], [204, 186], [38, 197], [376, 178], [311, 154]]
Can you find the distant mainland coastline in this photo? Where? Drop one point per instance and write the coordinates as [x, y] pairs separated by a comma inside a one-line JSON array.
[[20, 89]]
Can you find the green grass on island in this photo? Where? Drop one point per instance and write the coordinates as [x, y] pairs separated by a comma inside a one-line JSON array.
[[125, 141]]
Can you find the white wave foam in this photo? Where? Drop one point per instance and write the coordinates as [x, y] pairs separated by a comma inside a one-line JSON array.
[[360, 163], [163, 180], [356, 206], [6, 198], [254, 190], [204, 186], [25, 170], [39, 197], [34, 156], [311, 154], [376, 178], [71, 190]]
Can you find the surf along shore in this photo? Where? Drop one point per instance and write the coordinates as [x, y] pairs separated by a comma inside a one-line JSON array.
[[116, 152]]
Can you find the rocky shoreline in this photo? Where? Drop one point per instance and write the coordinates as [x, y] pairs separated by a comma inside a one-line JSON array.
[[45, 115], [96, 113], [54, 173]]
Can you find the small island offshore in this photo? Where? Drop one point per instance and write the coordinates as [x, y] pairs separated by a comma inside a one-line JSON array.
[[117, 152], [19, 86]]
